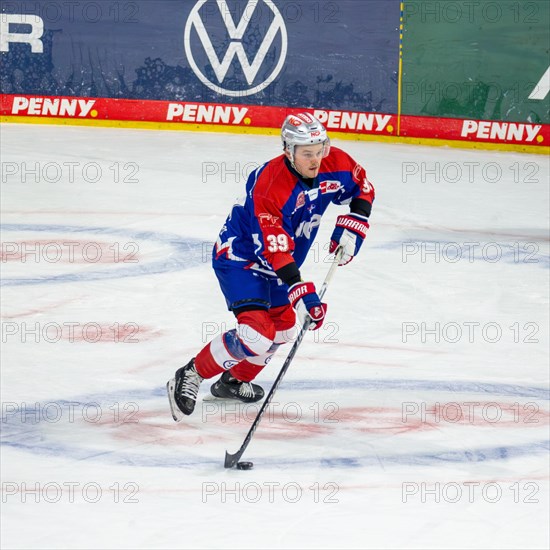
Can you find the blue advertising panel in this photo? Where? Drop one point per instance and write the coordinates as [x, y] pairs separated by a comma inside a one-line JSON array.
[[307, 53]]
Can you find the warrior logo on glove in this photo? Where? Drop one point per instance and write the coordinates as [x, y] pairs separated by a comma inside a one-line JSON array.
[[350, 232]]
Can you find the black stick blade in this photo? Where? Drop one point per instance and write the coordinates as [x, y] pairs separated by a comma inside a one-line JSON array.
[[231, 460]]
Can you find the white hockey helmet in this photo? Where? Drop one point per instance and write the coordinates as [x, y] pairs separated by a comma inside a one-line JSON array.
[[303, 129]]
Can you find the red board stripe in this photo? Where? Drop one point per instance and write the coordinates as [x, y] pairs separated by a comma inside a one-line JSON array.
[[254, 116]]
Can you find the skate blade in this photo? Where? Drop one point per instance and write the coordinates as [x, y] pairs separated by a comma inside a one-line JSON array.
[[177, 415]]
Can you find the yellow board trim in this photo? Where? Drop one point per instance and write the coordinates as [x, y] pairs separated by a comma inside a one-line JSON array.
[[142, 125]]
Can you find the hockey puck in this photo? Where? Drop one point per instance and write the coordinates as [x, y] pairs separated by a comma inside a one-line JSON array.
[[245, 465]]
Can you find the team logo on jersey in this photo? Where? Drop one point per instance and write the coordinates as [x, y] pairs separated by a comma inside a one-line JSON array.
[[249, 77], [301, 200], [267, 219], [329, 186]]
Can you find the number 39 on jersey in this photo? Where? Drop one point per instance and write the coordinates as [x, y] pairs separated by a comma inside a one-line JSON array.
[[277, 243]]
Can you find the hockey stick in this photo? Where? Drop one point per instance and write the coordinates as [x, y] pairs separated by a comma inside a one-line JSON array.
[[232, 459]]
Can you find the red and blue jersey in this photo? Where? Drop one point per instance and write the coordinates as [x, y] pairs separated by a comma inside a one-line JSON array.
[[279, 219]]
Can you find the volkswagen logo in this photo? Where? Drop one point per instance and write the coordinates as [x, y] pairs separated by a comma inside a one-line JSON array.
[[253, 54]]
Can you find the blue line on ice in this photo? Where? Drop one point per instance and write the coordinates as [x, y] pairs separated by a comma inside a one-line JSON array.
[[413, 459], [186, 253]]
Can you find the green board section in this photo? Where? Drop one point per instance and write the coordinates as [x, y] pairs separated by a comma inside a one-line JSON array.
[[476, 59]]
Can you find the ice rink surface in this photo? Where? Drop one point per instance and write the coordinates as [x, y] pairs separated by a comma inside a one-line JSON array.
[[416, 418]]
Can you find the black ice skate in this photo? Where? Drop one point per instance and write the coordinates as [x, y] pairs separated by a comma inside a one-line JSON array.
[[230, 388], [182, 390]]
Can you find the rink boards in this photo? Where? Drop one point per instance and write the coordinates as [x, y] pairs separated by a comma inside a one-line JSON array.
[[475, 75]]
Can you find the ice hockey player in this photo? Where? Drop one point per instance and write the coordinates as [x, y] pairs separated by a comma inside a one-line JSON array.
[[258, 254]]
